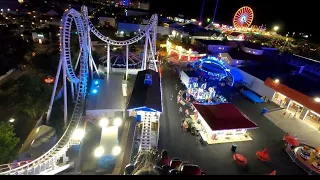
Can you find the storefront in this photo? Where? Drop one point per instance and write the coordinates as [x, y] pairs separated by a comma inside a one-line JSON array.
[[222, 121], [281, 100], [298, 104]]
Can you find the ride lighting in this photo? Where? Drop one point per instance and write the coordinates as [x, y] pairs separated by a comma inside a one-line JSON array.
[[78, 134], [98, 152], [94, 91], [96, 82], [317, 99], [277, 81], [104, 122], [116, 150], [117, 122]]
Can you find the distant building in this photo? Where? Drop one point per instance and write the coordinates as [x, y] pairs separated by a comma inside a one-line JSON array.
[[252, 48], [107, 21], [236, 36], [52, 13], [213, 46], [236, 57], [141, 5]]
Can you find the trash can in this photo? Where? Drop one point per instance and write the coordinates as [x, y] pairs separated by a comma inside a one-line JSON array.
[[233, 147], [264, 111]]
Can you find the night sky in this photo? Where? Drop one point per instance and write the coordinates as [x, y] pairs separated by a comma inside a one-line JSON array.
[[298, 16]]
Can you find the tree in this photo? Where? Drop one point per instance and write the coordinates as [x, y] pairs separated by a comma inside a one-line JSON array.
[[8, 142], [36, 95]]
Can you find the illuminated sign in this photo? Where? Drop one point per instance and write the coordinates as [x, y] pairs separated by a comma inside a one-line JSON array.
[[148, 79]]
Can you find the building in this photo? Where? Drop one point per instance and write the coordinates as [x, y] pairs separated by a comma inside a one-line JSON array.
[[252, 48], [107, 21], [221, 121], [186, 33], [132, 28], [145, 105], [290, 87], [213, 46], [141, 5], [236, 36], [106, 98], [236, 57], [188, 78]]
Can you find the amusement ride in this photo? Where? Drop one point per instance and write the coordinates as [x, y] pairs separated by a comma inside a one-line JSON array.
[[55, 160], [243, 18]]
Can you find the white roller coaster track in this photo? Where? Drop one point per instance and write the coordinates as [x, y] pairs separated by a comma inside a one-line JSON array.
[[48, 163]]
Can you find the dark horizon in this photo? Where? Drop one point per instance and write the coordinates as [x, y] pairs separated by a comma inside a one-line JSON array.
[[270, 12]]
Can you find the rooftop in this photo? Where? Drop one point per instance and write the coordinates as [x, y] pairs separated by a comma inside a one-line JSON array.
[[146, 95], [213, 42], [191, 73], [305, 82], [252, 45], [224, 117], [109, 95], [241, 55]]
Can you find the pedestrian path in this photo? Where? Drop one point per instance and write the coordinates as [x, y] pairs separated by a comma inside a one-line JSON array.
[[304, 131]]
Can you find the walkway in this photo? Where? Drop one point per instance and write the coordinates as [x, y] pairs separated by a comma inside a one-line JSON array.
[[305, 132], [217, 159]]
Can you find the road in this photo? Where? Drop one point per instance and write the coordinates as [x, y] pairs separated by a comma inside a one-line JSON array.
[[217, 159]]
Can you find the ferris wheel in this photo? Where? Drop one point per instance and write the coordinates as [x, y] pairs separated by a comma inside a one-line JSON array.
[[243, 17]]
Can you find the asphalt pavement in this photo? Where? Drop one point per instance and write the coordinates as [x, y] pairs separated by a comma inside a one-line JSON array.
[[217, 159]]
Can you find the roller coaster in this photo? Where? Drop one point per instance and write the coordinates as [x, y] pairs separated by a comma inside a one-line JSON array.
[[56, 160]]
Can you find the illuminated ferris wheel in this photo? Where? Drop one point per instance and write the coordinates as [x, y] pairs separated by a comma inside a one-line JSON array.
[[243, 17]]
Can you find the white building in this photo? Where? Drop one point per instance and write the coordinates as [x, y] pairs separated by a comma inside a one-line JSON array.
[[221, 121]]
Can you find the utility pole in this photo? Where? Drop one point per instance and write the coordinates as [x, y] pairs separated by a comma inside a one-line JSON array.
[[215, 11]]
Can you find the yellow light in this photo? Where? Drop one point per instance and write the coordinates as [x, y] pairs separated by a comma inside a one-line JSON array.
[[277, 81], [98, 152], [104, 122], [276, 28], [117, 122], [78, 134], [317, 99], [116, 151]]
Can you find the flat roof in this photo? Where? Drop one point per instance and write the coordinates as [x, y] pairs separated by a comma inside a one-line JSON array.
[[146, 95], [213, 42], [252, 45], [305, 83], [224, 116], [109, 95], [241, 55], [191, 73]]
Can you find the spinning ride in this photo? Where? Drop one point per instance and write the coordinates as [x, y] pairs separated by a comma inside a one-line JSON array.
[[243, 18], [214, 68]]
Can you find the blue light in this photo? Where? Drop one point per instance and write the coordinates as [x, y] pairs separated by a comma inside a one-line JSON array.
[[94, 91], [96, 82]]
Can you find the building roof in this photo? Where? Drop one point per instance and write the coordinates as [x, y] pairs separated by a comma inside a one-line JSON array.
[[109, 95], [305, 83], [213, 42], [235, 33], [241, 55], [144, 95], [252, 45], [224, 116], [191, 73]]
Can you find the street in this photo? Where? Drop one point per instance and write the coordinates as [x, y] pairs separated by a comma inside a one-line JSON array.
[[217, 159]]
